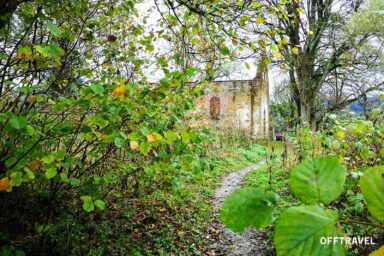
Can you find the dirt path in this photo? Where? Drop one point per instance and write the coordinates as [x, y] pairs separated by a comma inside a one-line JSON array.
[[222, 240]]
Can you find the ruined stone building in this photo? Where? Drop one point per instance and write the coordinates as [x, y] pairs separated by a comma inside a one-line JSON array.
[[241, 105]]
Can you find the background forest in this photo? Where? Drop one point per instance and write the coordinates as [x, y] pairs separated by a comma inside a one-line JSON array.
[[99, 158]]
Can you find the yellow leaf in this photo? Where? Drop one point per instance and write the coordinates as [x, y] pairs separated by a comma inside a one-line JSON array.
[[33, 98], [151, 138], [134, 145], [260, 20], [277, 55], [4, 184], [378, 252], [340, 134], [120, 91]]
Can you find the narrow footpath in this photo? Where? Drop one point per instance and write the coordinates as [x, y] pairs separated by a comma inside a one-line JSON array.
[[222, 240]]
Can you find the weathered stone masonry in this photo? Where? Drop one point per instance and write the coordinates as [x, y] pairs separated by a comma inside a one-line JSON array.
[[239, 106]]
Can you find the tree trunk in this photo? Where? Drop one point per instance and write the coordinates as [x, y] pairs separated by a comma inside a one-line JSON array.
[[305, 111]]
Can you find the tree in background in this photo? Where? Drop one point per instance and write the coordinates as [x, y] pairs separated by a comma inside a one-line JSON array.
[[312, 41], [325, 59], [283, 108]]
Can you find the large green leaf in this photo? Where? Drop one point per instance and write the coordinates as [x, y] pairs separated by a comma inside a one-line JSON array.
[[318, 180], [100, 204], [299, 230], [119, 142], [53, 50], [50, 173], [88, 204], [54, 29], [18, 122], [248, 207], [372, 187], [145, 147]]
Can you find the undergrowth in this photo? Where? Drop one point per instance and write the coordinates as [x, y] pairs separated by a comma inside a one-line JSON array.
[[166, 221]]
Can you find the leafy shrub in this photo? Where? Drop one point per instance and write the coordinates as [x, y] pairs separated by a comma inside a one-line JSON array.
[[359, 142], [77, 149], [317, 182]]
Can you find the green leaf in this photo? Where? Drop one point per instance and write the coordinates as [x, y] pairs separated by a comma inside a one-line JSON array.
[[318, 180], [29, 173], [372, 187], [58, 108], [74, 182], [100, 204], [248, 207], [64, 177], [20, 253], [170, 137], [50, 173], [86, 198], [48, 159], [299, 230], [98, 89], [145, 147], [133, 136], [185, 136], [88, 206], [53, 50], [225, 51], [30, 130], [119, 142], [150, 48], [16, 179], [54, 29], [18, 122], [24, 53]]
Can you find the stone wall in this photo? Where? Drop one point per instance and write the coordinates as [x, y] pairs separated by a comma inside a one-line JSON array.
[[239, 106]]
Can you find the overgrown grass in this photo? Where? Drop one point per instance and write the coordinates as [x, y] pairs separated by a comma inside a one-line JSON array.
[[273, 175], [171, 219], [171, 222], [189, 213]]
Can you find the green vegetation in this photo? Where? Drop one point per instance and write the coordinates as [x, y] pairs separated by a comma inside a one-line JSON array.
[[334, 201], [273, 175], [97, 159], [317, 182], [171, 218]]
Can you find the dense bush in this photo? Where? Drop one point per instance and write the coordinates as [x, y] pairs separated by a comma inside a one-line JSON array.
[[359, 142], [343, 201], [82, 128]]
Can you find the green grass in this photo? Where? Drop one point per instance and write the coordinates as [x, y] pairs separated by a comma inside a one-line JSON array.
[[272, 176]]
